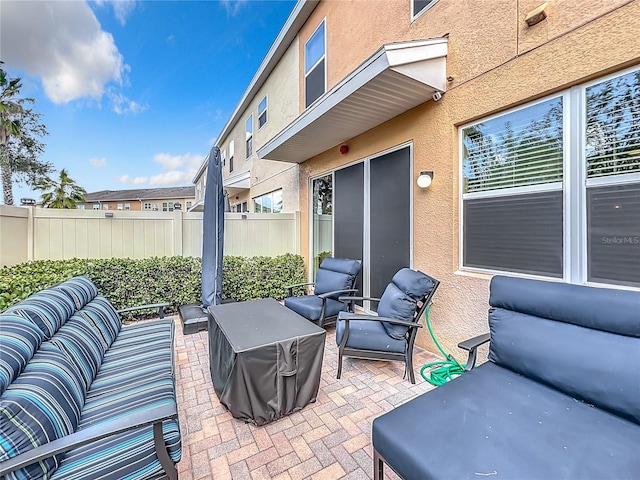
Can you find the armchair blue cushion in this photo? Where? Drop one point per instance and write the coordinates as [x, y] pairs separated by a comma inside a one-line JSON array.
[[336, 276], [391, 334]]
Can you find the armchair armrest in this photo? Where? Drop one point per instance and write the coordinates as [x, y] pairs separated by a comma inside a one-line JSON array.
[[159, 306], [289, 288], [350, 300], [91, 434], [335, 292], [471, 345], [375, 318]]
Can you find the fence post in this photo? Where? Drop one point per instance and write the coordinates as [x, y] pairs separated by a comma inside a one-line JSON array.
[[297, 233], [31, 234], [177, 232]]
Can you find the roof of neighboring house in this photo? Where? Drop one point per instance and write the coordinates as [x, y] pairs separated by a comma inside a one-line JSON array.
[[141, 194]]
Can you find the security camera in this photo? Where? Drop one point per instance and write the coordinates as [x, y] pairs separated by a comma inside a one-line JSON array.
[[437, 96]]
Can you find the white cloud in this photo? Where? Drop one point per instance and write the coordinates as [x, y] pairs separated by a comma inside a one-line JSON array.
[[131, 181], [233, 6], [98, 162], [177, 169], [121, 8], [122, 105], [65, 47]]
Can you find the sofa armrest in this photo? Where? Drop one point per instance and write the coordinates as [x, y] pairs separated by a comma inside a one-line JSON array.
[[350, 300], [471, 346], [159, 306], [91, 434], [289, 288]]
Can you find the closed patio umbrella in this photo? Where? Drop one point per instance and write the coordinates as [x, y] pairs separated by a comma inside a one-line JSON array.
[[194, 315]]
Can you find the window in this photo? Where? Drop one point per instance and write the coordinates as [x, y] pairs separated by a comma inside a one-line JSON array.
[[248, 130], [262, 112], [96, 206], [546, 200], [315, 66], [269, 203], [167, 206], [245, 207], [119, 206], [147, 206], [223, 156], [105, 206], [189, 205], [231, 152], [80, 207], [127, 206], [419, 6]]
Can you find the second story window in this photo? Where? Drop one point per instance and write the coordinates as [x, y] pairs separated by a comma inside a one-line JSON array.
[[96, 206], [248, 130], [262, 112], [231, 149], [223, 156], [419, 6], [315, 66], [147, 206]]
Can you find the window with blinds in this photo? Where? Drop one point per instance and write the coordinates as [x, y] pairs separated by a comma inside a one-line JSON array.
[[545, 200], [518, 149], [315, 66]]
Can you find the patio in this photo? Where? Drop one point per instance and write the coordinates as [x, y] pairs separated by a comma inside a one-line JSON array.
[[328, 439]]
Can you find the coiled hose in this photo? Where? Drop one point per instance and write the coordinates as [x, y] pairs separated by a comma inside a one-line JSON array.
[[444, 370]]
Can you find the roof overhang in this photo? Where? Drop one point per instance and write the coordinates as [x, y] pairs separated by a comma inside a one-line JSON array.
[[237, 183], [397, 78]]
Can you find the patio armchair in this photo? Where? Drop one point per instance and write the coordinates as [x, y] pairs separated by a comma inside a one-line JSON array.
[[336, 277], [391, 334]]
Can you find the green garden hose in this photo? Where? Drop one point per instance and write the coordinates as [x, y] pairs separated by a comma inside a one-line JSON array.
[[442, 371]]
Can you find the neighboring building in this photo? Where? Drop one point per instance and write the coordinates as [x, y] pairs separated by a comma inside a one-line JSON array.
[[149, 199], [531, 132]]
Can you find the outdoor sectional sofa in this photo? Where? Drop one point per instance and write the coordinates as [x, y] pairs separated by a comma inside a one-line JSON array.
[[83, 396], [558, 398]]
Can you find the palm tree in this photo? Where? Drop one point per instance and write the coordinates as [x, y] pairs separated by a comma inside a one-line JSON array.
[[9, 127], [64, 193]]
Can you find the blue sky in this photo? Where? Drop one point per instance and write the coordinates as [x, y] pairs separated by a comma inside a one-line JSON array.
[[133, 93]]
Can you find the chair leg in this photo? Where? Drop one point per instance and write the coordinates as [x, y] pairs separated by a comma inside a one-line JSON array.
[[409, 366], [378, 466], [339, 364]]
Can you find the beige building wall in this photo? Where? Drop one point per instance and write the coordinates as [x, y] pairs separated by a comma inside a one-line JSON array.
[[282, 107], [496, 63]]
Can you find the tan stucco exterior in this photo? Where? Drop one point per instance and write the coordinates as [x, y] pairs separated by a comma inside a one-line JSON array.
[[496, 62]]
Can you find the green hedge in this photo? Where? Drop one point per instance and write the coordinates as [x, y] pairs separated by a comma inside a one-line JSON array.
[[127, 282]]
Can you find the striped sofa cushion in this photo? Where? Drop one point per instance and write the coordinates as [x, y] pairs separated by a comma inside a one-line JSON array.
[[43, 404], [83, 345], [128, 455], [81, 290], [104, 317], [48, 309], [19, 341]]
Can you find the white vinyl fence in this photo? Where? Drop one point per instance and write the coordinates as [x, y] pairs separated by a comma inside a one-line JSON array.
[[29, 233]]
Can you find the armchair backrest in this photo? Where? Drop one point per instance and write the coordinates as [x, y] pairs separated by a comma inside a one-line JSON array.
[[336, 274], [583, 341], [406, 298]]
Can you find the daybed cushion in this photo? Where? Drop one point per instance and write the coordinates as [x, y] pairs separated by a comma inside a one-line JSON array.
[[546, 433], [310, 306], [368, 335], [47, 309], [19, 341]]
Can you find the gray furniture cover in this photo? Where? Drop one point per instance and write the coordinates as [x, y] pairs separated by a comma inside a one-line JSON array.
[[265, 360]]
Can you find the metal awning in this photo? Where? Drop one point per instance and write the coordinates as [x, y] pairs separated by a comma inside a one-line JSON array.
[[397, 78], [237, 183]]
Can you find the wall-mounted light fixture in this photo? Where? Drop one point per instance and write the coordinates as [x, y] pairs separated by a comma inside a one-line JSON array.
[[108, 214], [536, 15], [425, 179], [344, 149]]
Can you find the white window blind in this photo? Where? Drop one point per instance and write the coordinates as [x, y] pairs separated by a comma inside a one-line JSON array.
[[522, 148]]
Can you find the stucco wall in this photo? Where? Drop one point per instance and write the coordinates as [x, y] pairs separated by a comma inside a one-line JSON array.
[[578, 42]]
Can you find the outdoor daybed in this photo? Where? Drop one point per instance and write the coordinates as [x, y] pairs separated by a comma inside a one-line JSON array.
[[558, 398], [83, 396]]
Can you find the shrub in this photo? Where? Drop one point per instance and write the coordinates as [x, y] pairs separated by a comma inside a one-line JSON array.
[[129, 282]]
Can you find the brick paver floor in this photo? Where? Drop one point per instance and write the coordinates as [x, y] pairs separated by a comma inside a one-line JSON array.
[[328, 439]]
